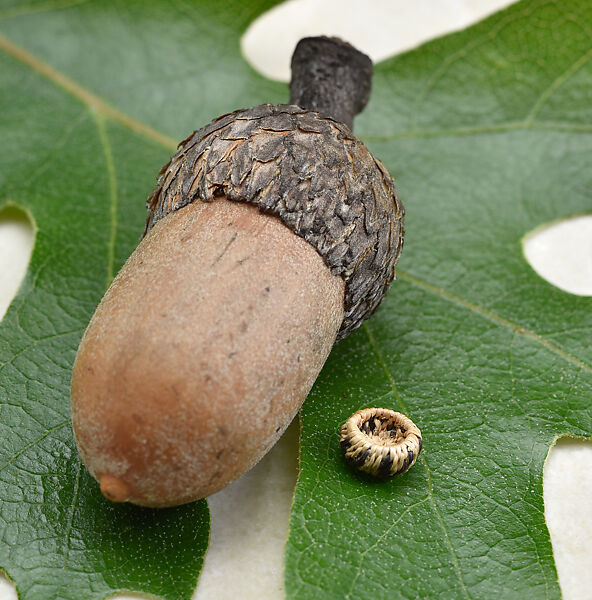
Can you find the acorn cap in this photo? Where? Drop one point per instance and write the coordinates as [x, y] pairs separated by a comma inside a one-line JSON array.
[[311, 172]]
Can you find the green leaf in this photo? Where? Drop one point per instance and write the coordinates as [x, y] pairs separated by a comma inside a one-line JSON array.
[[488, 133], [93, 97]]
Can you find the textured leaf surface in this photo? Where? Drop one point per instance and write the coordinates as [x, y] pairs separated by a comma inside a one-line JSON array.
[[488, 133], [93, 97]]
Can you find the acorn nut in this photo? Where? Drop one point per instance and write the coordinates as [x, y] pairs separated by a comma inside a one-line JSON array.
[[272, 233]]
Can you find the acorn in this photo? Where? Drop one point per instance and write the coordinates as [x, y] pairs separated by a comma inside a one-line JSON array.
[[272, 233]]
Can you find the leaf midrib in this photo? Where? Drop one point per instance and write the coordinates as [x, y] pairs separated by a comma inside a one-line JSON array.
[[456, 563], [491, 316], [94, 103], [69, 527], [422, 459]]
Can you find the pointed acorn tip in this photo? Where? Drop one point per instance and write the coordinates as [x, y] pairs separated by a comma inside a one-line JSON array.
[[113, 488]]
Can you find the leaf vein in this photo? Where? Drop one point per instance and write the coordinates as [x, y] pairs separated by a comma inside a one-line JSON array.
[[556, 84], [35, 343], [113, 200], [452, 58], [380, 538], [69, 527], [33, 443], [491, 316], [93, 102], [557, 126], [380, 358], [46, 7]]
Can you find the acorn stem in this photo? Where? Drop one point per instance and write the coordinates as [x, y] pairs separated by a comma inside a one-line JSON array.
[[331, 77]]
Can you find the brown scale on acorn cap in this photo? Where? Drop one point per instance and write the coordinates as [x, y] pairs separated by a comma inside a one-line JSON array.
[[272, 233]]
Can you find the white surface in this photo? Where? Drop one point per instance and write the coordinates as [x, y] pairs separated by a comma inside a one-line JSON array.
[[245, 556], [16, 244], [567, 484], [7, 591], [250, 517], [562, 254], [380, 28]]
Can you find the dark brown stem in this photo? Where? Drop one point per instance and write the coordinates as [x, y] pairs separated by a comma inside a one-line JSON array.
[[331, 77]]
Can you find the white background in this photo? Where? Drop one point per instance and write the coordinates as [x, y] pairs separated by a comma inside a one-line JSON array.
[[250, 517]]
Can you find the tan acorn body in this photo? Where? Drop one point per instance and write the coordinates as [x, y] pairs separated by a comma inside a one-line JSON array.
[[272, 233], [201, 353]]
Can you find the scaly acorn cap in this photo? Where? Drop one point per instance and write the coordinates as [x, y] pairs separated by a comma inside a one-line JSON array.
[[311, 172]]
